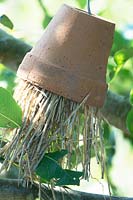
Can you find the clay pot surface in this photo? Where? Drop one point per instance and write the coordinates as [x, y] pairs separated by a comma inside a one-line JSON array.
[[70, 58]]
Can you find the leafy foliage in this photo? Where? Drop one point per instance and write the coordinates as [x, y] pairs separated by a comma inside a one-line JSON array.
[[120, 42], [129, 121], [131, 97], [111, 72], [120, 51], [46, 20], [4, 20], [123, 55], [69, 177], [8, 77], [10, 112], [82, 3], [49, 169]]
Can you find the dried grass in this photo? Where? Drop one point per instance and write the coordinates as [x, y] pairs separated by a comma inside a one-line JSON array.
[[50, 123]]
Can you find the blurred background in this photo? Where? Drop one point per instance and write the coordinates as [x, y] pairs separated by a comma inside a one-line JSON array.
[[30, 18]]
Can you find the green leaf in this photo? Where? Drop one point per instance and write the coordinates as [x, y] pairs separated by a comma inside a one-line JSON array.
[[123, 55], [131, 97], [4, 20], [10, 112], [69, 177], [57, 154], [49, 168], [111, 71], [46, 20], [119, 42], [82, 3], [129, 121]]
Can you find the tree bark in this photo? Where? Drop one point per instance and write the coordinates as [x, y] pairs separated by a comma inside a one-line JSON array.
[[115, 110], [13, 190], [12, 50]]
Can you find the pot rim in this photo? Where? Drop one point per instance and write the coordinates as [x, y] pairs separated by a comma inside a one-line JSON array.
[[88, 14]]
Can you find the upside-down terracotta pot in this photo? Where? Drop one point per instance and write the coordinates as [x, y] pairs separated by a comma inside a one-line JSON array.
[[70, 58]]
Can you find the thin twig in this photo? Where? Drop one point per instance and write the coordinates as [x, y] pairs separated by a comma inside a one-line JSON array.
[[89, 9]]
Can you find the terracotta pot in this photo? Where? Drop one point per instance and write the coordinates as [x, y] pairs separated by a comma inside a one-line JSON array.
[[70, 58]]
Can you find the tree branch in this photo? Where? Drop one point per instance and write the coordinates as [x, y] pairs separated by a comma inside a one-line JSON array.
[[115, 110], [13, 190], [116, 107], [12, 50]]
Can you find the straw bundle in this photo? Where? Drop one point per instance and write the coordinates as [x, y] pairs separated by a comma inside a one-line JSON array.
[[50, 123]]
